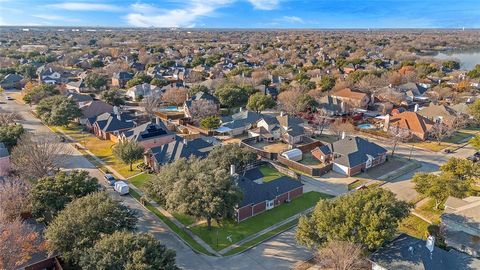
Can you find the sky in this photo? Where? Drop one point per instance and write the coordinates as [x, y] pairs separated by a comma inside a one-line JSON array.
[[244, 13]]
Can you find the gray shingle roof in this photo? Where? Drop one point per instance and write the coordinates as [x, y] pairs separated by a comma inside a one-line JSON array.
[[355, 150]]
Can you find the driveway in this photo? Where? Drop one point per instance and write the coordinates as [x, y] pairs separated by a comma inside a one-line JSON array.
[[280, 252]]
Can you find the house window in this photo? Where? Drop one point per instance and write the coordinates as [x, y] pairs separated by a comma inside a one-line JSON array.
[[270, 204]]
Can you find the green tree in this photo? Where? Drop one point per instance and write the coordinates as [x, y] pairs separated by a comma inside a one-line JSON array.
[[95, 81], [96, 63], [50, 194], [199, 188], [9, 134], [451, 64], [474, 73], [475, 142], [210, 122], [461, 168], [27, 70], [139, 78], [128, 152], [259, 102], [40, 92], [197, 88], [232, 154], [126, 250], [367, 217], [233, 96], [474, 110], [85, 220], [327, 83], [58, 110], [113, 97], [158, 82]]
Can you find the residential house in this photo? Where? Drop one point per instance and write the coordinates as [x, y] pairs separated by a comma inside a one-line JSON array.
[[352, 155], [12, 81], [407, 252], [333, 106], [440, 113], [108, 126], [461, 223], [4, 160], [260, 196], [120, 79], [283, 127], [91, 110], [322, 153], [354, 98], [412, 90], [49, 76], [80, 100], [140, 91], [187, 105], [418, 126], [149, 135], [179, 148], [78, 86], [237, 124]]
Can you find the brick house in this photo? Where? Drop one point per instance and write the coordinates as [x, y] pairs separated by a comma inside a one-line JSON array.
[[149, 135], [353, 155], [108, 126], [353, 98], [419, 126], [259, 196]]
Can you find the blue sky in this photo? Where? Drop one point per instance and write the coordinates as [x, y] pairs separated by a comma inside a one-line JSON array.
[[244, 13]]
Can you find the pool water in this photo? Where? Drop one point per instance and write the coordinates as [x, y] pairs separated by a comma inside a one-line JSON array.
[[366, 126]]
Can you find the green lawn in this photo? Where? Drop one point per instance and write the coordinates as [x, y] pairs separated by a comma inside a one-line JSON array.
[[184, 219], [414, 226], [239, 231], [458, 137], [356, 184], [427, 210], [139, 180], [269, 173]]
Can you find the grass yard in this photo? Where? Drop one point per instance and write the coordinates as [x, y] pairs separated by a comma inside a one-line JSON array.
[[239, 231], [432, 146], [459, 137], [139, 180], [427, 210], [327, 138], [414, 226], [100, 148], [356, 184], [184, 219], [269, 173], [309, 160]]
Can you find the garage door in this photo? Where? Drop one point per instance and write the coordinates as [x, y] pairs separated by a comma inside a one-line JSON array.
[[340, 169]]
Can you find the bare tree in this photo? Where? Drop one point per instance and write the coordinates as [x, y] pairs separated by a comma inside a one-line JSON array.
[[288, 101], [441, 131], [321, 120], [14, 198], [151, 104], [9, 118], [202, 108], [19, 241], [37, 155], [341, 255], [175, 96], [339, 126], [397, 135]]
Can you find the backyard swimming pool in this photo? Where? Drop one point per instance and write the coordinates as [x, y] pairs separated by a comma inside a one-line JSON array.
[[366, 126]]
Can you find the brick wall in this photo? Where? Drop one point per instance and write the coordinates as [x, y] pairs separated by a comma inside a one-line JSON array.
[[296, 193], [244, 212], [259, 207]]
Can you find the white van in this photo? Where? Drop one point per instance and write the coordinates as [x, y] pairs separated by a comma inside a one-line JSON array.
[[121, 187]]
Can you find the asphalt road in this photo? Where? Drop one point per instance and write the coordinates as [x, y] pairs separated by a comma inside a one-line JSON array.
[[280, 252]]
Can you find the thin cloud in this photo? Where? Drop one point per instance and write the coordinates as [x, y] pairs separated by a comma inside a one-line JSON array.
[[83, 6], [292, 19], [265, 4], [50, 17], [145, 15]]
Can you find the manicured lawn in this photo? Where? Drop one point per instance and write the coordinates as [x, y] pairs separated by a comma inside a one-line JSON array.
[[427, 210], [262, 238], [239, 231], [139, 180], [100, 148], [432, 146], [270, 173], [184, 219], [458, 137], [414, 226]]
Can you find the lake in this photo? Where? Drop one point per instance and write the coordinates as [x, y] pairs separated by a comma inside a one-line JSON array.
[[467, 60]]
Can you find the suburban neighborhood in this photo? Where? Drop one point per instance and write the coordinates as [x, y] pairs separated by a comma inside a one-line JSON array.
[[192, 148]]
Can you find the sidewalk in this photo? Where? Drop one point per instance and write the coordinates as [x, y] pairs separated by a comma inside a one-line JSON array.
[[264, 231]]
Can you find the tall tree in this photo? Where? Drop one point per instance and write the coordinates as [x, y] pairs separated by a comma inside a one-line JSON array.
[[131, 251], [175, 96], [38, 93], [259, 102], [113, 97], [341, 255], [50, 194], [85, 220], [202, 108], [441, 131], [398, 135], [58, 110], [37, 155], [151, 105], [366, 217], [339, 127], [95, 81], [232, 154], [198, 188], [19, 241], [128, 152], [14, 198], [210, 122], [10, 134]]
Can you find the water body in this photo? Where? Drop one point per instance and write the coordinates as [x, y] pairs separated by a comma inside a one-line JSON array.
[[467, 60]]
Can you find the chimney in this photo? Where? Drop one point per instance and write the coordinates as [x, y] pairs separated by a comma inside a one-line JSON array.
[[119, 117], [343, 135], [185, 141], [430, 243], [415, 109], [157, 120], [281, 114], [390, 85], [232, 169], [241, 109]]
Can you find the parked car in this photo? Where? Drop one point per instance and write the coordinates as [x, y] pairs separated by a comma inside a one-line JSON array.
[[110, 179], [477, 154], [447, 151], [121, 187], [9, 98], [473, 158]]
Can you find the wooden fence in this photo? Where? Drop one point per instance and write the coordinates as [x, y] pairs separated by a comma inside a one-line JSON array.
[[313, 171]]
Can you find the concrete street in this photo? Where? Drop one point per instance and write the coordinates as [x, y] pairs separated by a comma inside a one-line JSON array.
[[280, 252]]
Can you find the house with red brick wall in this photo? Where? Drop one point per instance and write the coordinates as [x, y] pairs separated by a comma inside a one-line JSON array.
[[108, 126], [149, 135], [259, 196]]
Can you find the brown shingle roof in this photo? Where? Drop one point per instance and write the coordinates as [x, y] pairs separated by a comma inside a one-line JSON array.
[[412, 121], [349, 93]]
